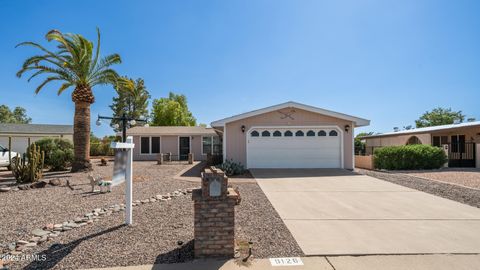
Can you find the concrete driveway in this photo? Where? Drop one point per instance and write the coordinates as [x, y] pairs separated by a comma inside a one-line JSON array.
[[337, 212]]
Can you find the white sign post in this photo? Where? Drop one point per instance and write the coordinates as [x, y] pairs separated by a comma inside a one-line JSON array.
[[128, 147]]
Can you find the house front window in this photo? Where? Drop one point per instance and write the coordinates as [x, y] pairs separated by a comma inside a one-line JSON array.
[[206, 145], [211, 145], [155, 145], [145, 145], [439, 140]]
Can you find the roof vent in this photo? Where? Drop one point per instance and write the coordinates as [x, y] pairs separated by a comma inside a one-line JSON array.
[[457, 121], [396, 129]]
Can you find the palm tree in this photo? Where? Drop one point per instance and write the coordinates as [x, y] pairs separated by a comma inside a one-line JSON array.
[[74, 64]]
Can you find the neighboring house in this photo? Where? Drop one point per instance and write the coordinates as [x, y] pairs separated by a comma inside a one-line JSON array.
[[178, 141], [458, 140], [21, 134], [290, 135]]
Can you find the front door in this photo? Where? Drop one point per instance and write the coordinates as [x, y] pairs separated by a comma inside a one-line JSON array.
[[461, 153], [184, 148]]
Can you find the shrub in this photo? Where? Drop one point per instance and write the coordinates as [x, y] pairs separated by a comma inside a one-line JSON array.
[[232, 168], [409, 157], [58, 153]]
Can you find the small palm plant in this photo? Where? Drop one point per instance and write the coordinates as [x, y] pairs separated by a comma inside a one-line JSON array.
[[77, 64]]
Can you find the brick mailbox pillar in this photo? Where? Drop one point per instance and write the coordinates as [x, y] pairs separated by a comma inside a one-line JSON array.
[[214, 207]]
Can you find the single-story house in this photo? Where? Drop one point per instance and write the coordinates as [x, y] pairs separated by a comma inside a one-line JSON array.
[[178, 141], [459, 141], [22, 134], [287, 135]]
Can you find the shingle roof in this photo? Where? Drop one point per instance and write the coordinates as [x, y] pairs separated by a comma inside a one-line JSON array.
[[169, 130], [426, 129], [35, 129]]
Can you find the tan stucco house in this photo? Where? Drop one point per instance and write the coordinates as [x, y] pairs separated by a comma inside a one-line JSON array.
[[460, 141], [177, 141], [287, 135], [21, 134]]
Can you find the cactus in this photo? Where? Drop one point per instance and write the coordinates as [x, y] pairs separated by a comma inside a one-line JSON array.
[[29, 169]]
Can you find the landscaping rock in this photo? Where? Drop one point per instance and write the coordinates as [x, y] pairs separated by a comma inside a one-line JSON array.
[[22, 242], [5, 189], [78, 220], [34, 239], [40, 184], [49, 227], [42, 239], [152, 200], [96, 210], [11, 246], [31, 244], [39, 232], [23, 187], [56, 182]]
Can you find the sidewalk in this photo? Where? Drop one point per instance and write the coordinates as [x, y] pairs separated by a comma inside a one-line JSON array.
[[383, 262]]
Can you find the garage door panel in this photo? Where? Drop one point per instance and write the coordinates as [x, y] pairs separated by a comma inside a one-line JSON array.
[[294, 152]]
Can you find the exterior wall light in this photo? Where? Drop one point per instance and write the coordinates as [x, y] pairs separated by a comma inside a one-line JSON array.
[[243, 128], [347, 128]]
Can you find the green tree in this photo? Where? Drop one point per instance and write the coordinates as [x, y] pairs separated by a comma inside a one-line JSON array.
[[439, 116], [358, 142], [132, 100], [76, 63], [172, 111], [17, 116]]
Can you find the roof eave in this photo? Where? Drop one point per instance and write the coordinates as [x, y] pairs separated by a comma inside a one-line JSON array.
[[359, 122]]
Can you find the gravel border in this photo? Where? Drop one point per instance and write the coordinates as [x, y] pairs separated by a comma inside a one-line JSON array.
[[442, 189]]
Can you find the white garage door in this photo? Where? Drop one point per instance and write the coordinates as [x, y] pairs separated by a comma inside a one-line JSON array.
[[308, 147]]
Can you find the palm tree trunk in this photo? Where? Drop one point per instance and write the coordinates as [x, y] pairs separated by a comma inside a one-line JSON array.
[[81, 137]]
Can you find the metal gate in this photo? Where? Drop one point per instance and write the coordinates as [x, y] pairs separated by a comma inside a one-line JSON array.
[[461, 154]]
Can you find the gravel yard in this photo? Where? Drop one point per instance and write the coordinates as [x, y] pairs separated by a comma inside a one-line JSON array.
[[453, 192], [157, 226], [464, 177]]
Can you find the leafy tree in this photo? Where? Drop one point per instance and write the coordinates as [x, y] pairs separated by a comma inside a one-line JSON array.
[[172, 111], [76, 63], [132, 100], [17, 116], [358, 142], [439, 116]]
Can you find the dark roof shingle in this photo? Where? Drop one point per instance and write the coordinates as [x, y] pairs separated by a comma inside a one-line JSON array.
[[35, 129]]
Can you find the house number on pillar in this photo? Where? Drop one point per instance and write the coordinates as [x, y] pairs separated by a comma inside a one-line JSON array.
[[215, 188]]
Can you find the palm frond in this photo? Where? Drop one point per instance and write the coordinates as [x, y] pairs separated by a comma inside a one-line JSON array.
[[49, 79]]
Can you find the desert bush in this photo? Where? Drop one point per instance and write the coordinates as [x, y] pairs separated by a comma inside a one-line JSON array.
[[58, 153], [409, 157], [232, 168]]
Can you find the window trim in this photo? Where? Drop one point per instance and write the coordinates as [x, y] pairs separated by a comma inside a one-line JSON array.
[[211, 145], [255, 135], [150, 145]]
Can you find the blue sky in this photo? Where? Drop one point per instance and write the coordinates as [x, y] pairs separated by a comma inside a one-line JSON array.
[[387, 61]]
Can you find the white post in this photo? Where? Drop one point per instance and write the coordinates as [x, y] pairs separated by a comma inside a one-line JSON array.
[[129, 184]]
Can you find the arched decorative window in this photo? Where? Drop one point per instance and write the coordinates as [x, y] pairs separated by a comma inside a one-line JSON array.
[[311, 133], [322, 133], [254, 133], [333, 133], [266, 133], [414, 140], [277, 134], [288, 133], [299, 133]]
